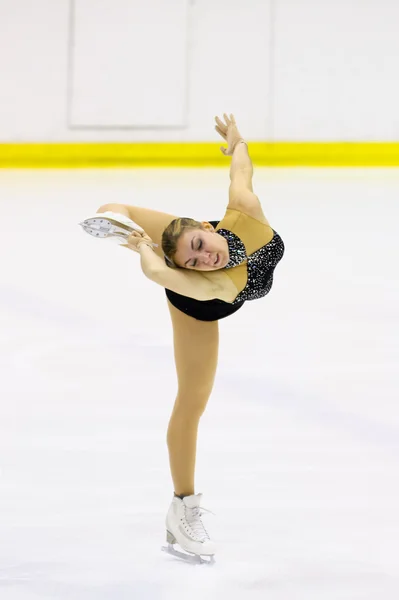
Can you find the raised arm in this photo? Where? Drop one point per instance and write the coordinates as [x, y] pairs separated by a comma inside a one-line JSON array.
[[241, 169], [241, 194]]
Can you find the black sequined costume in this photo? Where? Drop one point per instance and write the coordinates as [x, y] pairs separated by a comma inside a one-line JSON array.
[[259, 271], [260, 264]]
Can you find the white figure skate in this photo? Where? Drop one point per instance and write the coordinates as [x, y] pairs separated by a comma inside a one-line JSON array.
[[111, 225], [184, 527]]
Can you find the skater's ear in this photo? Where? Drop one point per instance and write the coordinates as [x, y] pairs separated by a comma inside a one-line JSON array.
[[207, 226]]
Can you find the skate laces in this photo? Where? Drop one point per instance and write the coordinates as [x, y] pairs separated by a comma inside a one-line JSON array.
[[193, 518]]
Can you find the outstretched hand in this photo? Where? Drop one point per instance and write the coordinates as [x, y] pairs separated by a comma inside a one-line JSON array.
[[229, 132]]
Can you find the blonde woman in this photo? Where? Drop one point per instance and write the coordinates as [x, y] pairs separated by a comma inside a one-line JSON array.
[[209, 270]]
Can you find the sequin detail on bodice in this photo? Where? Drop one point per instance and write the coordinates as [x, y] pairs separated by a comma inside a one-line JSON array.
[[260, 264]]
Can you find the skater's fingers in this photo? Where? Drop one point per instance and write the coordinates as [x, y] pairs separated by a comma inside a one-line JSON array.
[[221, 124], [222, 133], [138, 235]]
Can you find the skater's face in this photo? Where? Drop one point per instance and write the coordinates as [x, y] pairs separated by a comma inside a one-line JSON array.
[[202, 249]]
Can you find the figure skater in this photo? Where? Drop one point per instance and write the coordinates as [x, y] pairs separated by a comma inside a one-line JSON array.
[[209, 270]]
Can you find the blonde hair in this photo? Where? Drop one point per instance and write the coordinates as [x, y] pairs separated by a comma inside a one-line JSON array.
[[171, 236]]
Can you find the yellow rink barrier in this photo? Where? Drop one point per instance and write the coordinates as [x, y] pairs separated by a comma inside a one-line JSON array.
[[196, 154]]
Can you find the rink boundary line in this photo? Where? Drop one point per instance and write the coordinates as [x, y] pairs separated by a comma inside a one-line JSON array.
[[196, 154]]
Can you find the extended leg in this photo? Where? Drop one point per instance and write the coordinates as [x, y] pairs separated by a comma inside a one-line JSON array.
[[152, 221], [196, 345]]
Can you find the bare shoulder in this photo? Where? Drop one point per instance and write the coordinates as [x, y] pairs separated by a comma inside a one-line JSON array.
[[254, 210], [248, 203]]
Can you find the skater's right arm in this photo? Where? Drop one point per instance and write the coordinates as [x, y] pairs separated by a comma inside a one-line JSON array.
[[241, 194], [241, 165]]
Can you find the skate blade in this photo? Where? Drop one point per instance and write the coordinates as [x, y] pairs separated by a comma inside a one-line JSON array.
[[106, 227], [193, 559], [103, 227]]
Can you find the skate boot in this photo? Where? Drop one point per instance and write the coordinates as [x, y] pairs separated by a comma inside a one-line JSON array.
[[111, 225], [184, 527]]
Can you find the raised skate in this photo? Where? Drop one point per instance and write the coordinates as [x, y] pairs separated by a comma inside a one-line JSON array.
[[111, 225]]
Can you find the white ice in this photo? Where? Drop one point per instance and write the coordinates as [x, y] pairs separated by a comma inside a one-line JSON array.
[[299, 447]]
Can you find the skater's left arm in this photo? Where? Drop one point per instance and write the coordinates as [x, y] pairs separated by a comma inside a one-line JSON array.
[[187, 282], [183, 281], [150, 262]]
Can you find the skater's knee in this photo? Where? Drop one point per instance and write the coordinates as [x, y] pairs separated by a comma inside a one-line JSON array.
[[121, 209], [196, 391], [191, 405]]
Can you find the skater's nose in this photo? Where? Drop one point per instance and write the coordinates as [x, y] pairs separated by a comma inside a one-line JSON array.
[[206, 258]]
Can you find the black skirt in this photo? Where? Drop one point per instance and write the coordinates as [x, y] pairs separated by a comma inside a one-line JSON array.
[[203, 310]]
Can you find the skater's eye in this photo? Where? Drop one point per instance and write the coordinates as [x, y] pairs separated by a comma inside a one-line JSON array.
[[194, 264]]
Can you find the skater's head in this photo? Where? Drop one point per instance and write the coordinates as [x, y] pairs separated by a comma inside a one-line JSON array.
[[191, 244]]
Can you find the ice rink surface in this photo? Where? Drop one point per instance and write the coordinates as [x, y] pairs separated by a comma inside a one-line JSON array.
[[299, 447]]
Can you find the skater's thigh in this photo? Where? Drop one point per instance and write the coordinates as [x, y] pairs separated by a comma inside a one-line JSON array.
[[152, 221], [196, 347]]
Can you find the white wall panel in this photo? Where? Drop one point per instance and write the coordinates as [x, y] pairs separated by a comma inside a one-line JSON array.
[[335, 70], [33, 66], [129, 63], [320, 70], [228, 70], [230, 65]]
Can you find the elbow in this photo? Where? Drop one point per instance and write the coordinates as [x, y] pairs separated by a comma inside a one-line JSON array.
[[154, 274], [149, 272], [243, 176]]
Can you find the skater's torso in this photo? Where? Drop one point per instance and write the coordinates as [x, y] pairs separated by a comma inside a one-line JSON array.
[[254, 249]]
